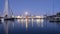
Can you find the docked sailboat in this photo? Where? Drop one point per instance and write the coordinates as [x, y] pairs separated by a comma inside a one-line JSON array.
[[9, 17], [54, 18], [7, 12]]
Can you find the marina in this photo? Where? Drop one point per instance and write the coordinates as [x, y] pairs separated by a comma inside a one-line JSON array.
[[29, 17]]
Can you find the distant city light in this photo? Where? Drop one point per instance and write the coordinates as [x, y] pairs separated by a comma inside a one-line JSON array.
[[19, 17]]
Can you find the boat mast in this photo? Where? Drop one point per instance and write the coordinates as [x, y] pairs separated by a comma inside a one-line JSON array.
[[6, 9]]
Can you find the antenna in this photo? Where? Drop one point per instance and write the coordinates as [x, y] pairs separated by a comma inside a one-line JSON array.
[[53, 7]]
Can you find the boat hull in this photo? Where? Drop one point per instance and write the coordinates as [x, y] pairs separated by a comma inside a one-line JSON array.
[[12, 19]]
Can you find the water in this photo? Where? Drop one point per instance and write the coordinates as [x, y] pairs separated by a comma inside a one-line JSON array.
[[29, 26]]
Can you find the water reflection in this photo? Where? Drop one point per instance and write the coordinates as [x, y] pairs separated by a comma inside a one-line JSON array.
[[42, 22], [29, 25], [39, 22], [26, 22], [18, 20], [32, 22], [5, 27]]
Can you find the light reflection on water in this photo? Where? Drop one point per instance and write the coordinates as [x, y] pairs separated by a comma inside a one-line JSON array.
[[8, 24], [39, 22], [20, 25], [26, 22], [6, 27]]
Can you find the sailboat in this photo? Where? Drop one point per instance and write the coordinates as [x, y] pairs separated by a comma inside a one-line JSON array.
[[9, 18], [6, 12], [54, 18]]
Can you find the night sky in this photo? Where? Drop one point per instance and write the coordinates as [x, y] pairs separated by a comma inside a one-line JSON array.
[[33, 7]]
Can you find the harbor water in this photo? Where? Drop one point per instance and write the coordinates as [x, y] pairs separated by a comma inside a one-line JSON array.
[[29, 26]]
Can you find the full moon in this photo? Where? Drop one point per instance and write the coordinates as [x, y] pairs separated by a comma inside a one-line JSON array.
[[26, 13]]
